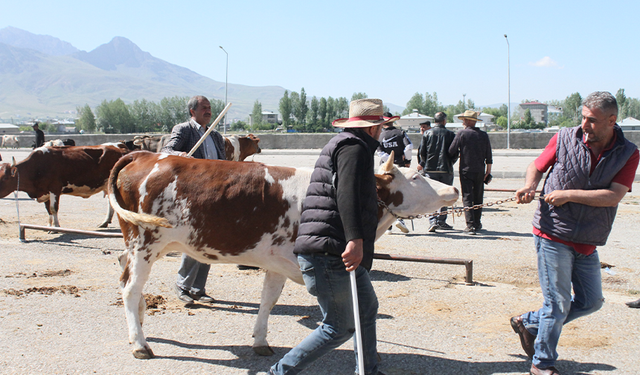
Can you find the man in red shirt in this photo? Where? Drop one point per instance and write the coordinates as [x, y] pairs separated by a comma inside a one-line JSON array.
[[592, 167]]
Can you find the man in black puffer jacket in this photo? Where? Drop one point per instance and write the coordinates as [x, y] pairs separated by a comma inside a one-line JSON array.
[[336, 235]]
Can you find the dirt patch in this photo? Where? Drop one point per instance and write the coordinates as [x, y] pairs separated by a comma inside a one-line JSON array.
[[155, 303], [47, 290]]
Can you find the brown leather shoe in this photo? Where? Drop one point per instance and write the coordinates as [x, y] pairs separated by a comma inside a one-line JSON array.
[[526, 338], [543, 371]]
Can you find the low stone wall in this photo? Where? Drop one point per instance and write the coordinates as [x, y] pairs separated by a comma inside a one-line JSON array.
[[517, 140]]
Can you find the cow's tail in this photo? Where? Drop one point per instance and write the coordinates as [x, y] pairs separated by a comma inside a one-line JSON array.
[[135, 218]]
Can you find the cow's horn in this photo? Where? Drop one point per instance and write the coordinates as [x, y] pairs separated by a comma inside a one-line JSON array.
[[13, 161], [388, 166]]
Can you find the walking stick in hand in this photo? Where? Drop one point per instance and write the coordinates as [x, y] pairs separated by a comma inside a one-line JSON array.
[[356, 318], [213, 125]]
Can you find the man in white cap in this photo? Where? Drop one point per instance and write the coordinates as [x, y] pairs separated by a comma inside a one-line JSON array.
[[474, 149], [336, 235]]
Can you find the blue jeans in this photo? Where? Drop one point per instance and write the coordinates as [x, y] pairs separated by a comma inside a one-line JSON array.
[[445, 178], [326, 278], [560, 267], [192, 275]]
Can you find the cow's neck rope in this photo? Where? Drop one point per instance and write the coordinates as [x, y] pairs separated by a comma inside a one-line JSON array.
[[453, 211]]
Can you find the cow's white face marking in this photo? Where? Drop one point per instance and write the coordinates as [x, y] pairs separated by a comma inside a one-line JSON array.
[[420, 194]]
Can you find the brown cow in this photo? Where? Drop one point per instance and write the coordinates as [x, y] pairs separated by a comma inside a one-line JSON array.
[[238, 148], [49, 172], [219, 211]]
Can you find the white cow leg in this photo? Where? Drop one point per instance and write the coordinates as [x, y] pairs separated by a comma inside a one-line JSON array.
[[271, 290], [107, 220], [134, 306]]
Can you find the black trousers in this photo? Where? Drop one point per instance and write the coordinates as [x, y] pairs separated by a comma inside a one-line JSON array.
[[472, 185]]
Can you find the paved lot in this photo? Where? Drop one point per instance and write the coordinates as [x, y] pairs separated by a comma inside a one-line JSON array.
[[430, 322]]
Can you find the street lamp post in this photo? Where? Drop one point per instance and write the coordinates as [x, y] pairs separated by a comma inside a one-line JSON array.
[[508, 90], [226, 82]]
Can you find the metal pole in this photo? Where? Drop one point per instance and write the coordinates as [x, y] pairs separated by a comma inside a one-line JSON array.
[[508, 90], [226, 83], [356, 318]]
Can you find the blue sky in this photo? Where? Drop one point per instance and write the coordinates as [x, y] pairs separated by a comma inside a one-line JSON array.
[[387, 49]]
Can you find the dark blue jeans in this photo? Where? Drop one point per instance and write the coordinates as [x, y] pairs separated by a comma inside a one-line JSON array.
[[326, 278], [560, 268]]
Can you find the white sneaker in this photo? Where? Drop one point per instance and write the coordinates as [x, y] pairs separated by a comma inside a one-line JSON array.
[[400, 225]]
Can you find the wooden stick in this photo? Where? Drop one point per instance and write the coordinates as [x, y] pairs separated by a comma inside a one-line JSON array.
[[211, 127], [356, 317]]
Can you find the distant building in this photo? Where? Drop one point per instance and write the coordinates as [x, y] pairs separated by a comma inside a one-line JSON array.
[[9, 129], [538, 111], [629, 123], [411, 122], [269, 117]]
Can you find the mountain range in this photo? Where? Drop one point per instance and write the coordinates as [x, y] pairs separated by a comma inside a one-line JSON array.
[[44, 76]]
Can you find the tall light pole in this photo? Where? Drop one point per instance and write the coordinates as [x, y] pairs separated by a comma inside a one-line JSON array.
[[226, 82], [508, 90]]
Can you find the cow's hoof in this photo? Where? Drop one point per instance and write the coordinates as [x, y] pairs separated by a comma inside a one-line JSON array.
[[103, 225], [144, 353], [263, 350]]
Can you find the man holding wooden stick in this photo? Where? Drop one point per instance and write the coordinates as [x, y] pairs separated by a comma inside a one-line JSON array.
[[336, 236], [192, 275]]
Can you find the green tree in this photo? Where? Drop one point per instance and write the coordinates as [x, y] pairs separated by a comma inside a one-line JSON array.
[[342, 107], [114, 117], [239, 126], [358, 95], [256, 115], [431, 106], [302, 108], [173, 111], [322, 115], [143, 114], [313, 112], [571, 107], [416, 102], [285, 109], [294, 98], [86, 119]]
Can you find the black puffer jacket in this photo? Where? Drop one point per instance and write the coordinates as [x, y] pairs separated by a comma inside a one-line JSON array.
[[341, 201]]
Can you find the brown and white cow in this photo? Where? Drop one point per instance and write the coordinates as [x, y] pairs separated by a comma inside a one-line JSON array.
[[49, 172], [238, 148], [230, 212]]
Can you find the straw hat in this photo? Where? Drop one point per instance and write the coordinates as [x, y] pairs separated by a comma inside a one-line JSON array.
[[364, 113], [469, 115]]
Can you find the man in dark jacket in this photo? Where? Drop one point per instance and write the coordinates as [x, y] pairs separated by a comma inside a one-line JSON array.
[[192, 275], [592, 168], [336, 235], [474, 148], [433, 155], [39, 135], [395, 140]]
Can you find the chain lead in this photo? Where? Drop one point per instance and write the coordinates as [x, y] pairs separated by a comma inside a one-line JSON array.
[[453, 211]]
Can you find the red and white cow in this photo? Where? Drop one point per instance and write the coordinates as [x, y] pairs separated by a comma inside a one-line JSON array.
[[238, 148], [49, 172], [230, 212]]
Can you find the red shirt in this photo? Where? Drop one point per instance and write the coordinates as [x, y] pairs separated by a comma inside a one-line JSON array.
[[624, 177]]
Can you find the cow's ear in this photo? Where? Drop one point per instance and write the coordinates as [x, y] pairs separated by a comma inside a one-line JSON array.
[[388, 166]]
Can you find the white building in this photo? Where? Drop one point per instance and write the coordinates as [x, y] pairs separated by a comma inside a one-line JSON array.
[[9, 129], [412, 120], [629, 123]]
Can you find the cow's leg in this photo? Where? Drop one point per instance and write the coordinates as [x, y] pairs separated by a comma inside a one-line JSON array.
[[54, 203], [123, 259], [138, 270], [271, 290], [107, 220]]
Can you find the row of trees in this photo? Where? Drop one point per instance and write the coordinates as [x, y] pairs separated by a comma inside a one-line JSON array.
[[141, 116], [302, 115], [317, 114]]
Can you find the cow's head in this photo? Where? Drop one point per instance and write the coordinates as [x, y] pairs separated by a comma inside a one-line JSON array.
[[407, 192], [255, 141], [8, 180]]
